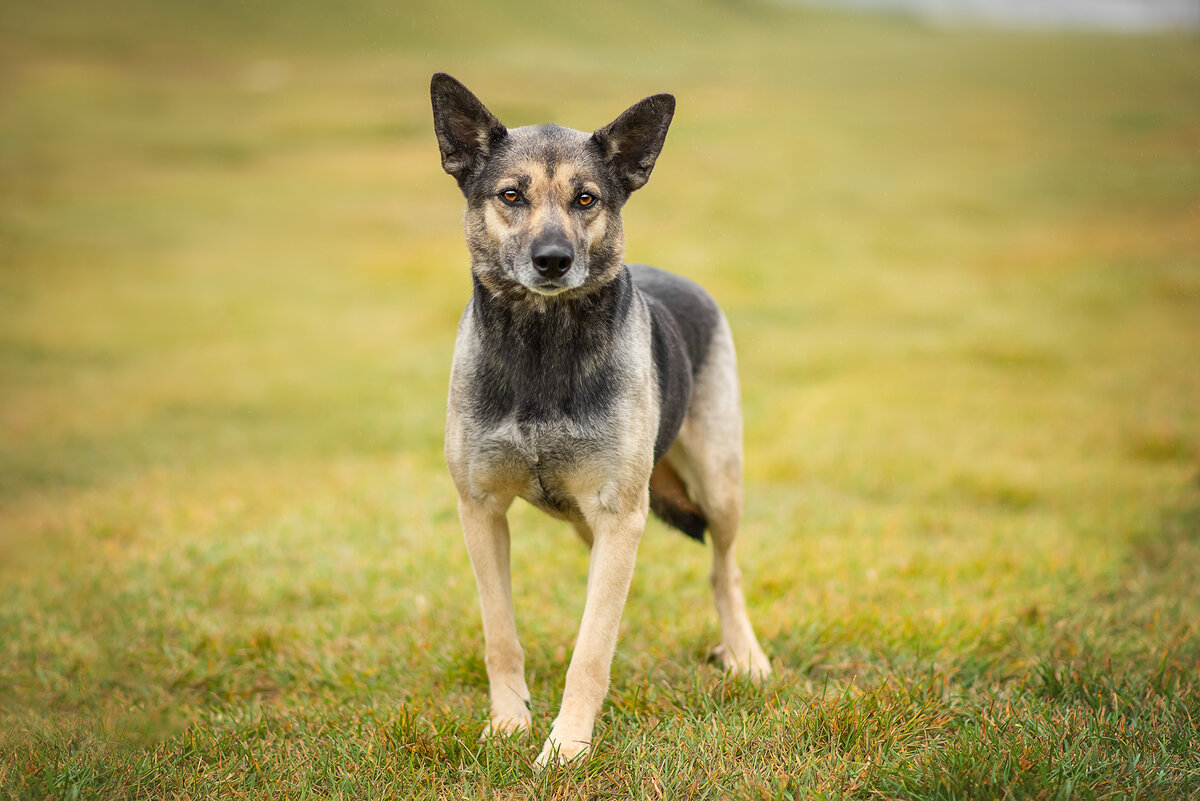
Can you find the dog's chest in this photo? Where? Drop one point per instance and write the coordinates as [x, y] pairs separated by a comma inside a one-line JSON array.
[[541, 461]]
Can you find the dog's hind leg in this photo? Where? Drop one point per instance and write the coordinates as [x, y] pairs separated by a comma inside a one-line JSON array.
[[486, 531], [708, 457], [739, 650]]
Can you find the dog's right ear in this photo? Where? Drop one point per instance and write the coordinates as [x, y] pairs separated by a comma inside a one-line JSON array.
[[466, 131]]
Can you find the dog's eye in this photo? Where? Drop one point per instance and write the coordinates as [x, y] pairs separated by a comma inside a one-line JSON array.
[[510, 196], [585, 199]]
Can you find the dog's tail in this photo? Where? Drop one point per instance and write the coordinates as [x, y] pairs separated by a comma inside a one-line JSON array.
[[670, 502]]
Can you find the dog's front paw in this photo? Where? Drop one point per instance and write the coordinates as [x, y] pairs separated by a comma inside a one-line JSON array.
[[506, 727], [562, 747], [513, 720], [750, 661]]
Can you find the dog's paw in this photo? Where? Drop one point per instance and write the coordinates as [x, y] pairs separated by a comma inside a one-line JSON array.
[[516, 724], [560, 752], [750, 662], [505, 728], [568, 740]]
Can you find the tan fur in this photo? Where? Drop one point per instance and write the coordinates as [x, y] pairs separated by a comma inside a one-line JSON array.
[[665, 483], [593, 468]]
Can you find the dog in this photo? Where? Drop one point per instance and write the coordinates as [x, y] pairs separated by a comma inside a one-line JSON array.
[[596, 391]]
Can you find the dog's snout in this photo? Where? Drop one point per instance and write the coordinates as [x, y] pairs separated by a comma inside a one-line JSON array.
[[552, 259]]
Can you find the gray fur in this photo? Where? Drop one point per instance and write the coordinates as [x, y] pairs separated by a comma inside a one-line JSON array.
[[593, 390]]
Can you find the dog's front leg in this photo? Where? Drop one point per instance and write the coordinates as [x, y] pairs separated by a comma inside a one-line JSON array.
[[614, 551], [485, 528]]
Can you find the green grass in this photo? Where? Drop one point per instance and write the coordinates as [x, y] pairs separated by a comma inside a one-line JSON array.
[[963, 270]]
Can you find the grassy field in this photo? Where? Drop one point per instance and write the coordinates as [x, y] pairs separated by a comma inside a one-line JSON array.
[[963, 270]]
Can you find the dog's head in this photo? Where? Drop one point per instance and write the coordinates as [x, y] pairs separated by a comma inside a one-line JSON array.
[[544, 202]]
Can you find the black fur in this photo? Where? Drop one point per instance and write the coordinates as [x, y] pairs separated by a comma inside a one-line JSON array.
[[550, 363], [674, 370], [687, 521], [693, 309], [685, 317]]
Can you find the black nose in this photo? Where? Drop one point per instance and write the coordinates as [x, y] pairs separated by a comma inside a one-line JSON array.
[[552, 259]]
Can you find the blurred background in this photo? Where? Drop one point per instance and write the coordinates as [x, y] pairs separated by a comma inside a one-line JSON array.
[[959, 246], [1113, 15], [226, 234]]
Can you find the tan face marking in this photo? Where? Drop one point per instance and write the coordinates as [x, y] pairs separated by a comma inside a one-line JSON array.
[[530, 203], [530, 185]]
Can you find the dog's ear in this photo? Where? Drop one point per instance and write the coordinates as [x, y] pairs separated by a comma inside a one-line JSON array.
[[466, 131], [632, 141]]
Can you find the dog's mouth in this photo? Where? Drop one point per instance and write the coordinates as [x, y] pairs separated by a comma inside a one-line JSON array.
[[548, 288]]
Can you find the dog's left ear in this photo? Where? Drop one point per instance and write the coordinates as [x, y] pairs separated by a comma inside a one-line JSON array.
[[632, 141]]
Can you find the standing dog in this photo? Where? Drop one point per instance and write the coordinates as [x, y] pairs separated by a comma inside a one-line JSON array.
[[594, 390]]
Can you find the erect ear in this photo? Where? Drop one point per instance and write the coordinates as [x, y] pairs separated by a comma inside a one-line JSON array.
[[632, 141], [466, 131]]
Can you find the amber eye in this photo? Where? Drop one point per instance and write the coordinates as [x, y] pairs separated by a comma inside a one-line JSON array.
[[585, 199], [510, 196]]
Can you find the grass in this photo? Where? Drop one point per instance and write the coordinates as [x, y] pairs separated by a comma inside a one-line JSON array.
[[963, 270]]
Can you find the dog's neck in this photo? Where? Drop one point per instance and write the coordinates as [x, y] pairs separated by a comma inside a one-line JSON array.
[[549, 356]]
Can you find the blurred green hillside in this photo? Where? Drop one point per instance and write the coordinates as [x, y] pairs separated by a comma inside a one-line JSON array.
[[963, 270]]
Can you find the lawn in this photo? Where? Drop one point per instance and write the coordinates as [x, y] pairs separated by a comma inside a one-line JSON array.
[[963, 271]]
